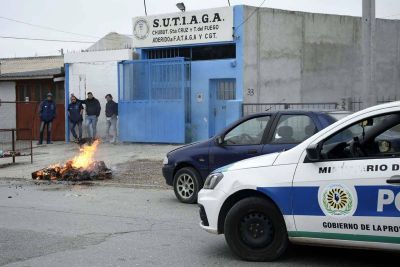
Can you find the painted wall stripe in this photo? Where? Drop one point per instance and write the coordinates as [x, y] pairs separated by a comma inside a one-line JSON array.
[[350, 237], [66, 84], [303, 200]]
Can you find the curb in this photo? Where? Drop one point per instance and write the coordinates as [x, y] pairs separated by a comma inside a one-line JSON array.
[[90, 183]]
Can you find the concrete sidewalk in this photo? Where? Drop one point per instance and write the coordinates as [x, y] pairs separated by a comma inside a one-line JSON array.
[[60, 152]]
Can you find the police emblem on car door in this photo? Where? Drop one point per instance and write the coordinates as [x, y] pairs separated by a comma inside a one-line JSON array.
[[352, 191]]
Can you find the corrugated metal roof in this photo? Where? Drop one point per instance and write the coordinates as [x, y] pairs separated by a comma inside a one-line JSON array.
[[27, 64], [30, 58], [32, 74]]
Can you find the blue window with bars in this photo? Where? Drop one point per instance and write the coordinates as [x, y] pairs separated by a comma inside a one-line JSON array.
[[205, 52]]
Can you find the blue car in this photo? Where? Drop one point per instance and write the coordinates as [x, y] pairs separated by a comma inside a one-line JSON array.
[[187, 167]]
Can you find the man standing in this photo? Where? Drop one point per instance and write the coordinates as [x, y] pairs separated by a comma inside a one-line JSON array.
[[93, 109], [75, 111], [47, 112], [112, 117]]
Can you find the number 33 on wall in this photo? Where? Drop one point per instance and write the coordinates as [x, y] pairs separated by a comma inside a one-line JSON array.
[[250, 91]]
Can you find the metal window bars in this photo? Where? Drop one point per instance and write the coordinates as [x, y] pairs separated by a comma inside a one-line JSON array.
[[251, 108], [12, 147]]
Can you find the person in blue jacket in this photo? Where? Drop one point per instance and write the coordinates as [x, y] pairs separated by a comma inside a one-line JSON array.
[[75, 111], [47, 112], [93, 108]]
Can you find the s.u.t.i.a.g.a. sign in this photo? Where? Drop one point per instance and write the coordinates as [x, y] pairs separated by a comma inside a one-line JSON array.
[[203, 26]]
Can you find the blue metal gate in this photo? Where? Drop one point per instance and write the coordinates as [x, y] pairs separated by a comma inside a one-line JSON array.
[[153, 106]]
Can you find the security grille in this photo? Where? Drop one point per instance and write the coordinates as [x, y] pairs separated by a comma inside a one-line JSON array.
[[226, 89]]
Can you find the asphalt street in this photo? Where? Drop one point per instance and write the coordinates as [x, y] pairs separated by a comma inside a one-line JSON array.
[[79, 225]]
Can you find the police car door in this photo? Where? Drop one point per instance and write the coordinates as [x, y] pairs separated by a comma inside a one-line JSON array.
[[353, 192]]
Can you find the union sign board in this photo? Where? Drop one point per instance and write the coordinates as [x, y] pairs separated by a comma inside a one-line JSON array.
[[203, 26]]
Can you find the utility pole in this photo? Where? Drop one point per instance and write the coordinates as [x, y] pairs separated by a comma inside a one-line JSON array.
[[368, 53]]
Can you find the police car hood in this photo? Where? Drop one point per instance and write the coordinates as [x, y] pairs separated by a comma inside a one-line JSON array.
[[256, 162]]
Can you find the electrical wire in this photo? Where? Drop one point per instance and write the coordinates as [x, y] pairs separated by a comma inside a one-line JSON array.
[[252, 13], [46, 40], [57, 30], [47, 28]]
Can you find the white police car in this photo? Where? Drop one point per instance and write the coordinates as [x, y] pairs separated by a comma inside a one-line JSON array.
[[340, 187]]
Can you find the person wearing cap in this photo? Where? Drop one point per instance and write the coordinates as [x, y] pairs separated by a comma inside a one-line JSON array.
[[47, 113], [112, 117], [75, 111], [93, 109]]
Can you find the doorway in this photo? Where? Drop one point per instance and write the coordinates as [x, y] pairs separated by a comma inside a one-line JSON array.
[[221, 91], [31, 93]]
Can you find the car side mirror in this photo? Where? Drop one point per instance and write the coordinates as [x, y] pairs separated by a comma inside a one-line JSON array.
[[219, 140], [313, 152]]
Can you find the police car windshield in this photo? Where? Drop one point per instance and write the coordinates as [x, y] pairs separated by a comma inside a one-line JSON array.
[[364, 134], [365, 128], [348, 134]]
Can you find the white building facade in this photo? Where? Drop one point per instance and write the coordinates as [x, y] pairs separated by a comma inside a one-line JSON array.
[[96, 72]]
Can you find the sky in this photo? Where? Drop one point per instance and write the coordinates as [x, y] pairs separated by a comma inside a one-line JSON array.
[[95, 18]]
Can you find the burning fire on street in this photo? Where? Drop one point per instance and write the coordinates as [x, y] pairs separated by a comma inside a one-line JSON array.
[[81, 168]]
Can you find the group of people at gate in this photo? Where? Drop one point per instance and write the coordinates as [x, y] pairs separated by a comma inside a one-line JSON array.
[[76, 108]]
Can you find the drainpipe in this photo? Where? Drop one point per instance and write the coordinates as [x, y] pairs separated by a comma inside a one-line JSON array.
[[368, 52]]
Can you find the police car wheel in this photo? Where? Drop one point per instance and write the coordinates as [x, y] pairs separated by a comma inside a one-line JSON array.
[[187, 185], [255, 230]]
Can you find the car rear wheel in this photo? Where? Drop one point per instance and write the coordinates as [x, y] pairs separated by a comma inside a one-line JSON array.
[[255, 230], [187, 184]]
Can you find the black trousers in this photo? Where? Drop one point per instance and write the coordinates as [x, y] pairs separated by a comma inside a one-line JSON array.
[[72, 126], [46, 124]]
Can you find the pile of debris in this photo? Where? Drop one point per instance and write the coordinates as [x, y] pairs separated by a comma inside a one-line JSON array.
[[9, 153], [81, 168], [97, 170]]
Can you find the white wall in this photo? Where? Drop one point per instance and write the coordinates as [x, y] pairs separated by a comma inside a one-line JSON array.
[[98, 56], [7, 111], [96, 72], [8, 115]]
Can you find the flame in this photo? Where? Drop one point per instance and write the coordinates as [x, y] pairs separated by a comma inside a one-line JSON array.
[[57, 165], [72, 167], [85, 158]]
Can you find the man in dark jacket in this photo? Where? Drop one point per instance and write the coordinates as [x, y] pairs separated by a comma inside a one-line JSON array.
[[47, 113], [75, 111], [112, 117], [93, 109]]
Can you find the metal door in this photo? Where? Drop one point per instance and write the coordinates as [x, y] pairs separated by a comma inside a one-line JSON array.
[[152, 106], [222, 91], [32, 92]]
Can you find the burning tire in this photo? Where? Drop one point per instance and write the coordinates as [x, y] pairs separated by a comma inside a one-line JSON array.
[[187, 184], [81, 168], [97, 170]]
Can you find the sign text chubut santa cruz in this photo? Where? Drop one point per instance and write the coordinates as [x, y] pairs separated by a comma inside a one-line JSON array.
[[204, 26]]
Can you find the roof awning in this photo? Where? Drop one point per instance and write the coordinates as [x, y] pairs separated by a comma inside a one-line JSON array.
[[29, 75]]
